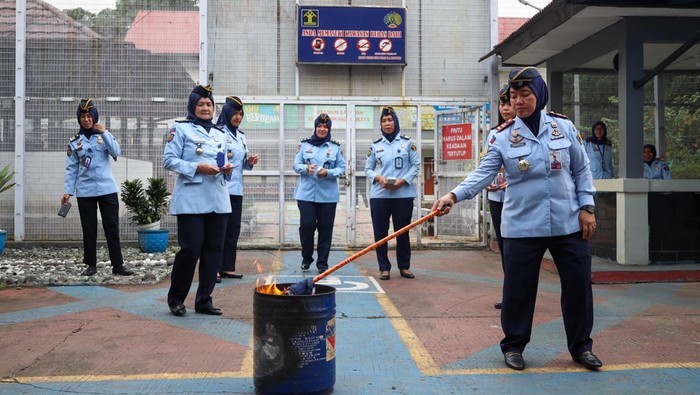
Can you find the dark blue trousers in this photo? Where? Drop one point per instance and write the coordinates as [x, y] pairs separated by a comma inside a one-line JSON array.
[[523, 257], [233, 231], [400, 212], [314, 216], [201, 237], [109, 210]]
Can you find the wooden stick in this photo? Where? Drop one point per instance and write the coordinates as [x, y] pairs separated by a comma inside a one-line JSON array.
[[376, 244]]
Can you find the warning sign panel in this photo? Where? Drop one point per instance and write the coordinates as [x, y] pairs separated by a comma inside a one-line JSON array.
[[457, 142], [360, 35]]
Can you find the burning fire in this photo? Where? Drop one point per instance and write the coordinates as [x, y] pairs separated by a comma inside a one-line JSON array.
[[267, 288]]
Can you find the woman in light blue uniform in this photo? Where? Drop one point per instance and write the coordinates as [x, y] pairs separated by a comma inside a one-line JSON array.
[[654, 168], [89, 177], [392, 164], [497, 189], [237, 155], [196, 152], [548, 206], [319, 162], [599, 151]]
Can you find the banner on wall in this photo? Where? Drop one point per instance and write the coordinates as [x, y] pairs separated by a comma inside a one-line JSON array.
[[457, 142], [363, 116], [351, 35]]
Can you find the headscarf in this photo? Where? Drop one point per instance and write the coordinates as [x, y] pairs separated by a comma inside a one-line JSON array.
[[87, 106], [595, 140], [503, 98], [199, 91], [233, 104], [397, 129], [315, 140], [530, 77], [653, 151]]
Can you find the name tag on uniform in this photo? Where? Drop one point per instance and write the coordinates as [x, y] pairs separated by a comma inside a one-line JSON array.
[[555, 164], [398, 162], [86, 162]]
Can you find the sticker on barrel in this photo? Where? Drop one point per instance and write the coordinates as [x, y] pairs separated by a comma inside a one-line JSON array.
[[330, 339]]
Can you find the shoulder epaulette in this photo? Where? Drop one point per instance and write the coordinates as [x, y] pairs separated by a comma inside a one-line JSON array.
[[557, 115], [306, 139], [75, 137], [377, 140], [403, 136], [504, 125], [335, 142]]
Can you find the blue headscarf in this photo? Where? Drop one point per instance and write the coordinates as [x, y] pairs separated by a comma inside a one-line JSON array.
[[199, 92], [595, 140], [530, 77], [233, 104], [87, 106], [397, 128], [315, 140], [651, 148]]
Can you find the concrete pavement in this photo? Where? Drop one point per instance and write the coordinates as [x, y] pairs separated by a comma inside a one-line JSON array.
[[436, 334]]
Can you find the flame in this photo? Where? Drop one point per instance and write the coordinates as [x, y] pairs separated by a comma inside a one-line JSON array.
[[269, 287]]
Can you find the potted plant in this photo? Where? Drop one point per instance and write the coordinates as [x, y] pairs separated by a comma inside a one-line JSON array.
[[5, 177], [146, 208]]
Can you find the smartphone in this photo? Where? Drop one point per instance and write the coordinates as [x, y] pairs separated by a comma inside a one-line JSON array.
[[63, 211], [391, 180]]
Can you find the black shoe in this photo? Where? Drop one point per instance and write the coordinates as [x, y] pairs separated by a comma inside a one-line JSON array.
[[230, 275], [406, 274], [322, 270], [90, 271], [178, 310], [218, 279], [588, 360], [498, 305], [384, 275], [305, 266], [211, 310], [122, 270], [514, 360]]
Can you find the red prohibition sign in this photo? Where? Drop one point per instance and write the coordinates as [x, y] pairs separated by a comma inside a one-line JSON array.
[[340, 45], [363, 45], [318, 44], [385, 45]]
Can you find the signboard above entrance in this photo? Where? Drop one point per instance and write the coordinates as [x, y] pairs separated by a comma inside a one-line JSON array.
[[351, 35]]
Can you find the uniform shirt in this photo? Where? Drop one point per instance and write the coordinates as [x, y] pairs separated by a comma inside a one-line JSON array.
[[600, 156], [658, 170], [549, 179], [311, 187], [398, 159], [497, 195], [88, 166], [237, 155], [196, 193]]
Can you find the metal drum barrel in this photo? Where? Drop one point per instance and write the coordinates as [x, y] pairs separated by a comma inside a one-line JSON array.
[[294, 342]]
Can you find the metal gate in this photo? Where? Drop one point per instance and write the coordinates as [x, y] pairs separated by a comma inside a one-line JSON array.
[[458, 143]]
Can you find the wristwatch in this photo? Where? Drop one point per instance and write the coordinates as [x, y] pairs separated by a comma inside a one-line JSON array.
[[589, 207]]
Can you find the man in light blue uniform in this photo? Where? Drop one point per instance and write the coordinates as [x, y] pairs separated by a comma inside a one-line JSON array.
[[548, 206], [237, 155], [654, 168], [196, 151], [320, 162], [392, 164], [89, 176]]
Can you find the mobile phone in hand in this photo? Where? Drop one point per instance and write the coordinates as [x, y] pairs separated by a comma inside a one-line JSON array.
[[391, 180], [63, 211]]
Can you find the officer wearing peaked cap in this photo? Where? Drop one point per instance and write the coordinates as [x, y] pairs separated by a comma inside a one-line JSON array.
[[392, 164], [319, 162], [548, 206], [89, 177], [237, 155], [196, 152]]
